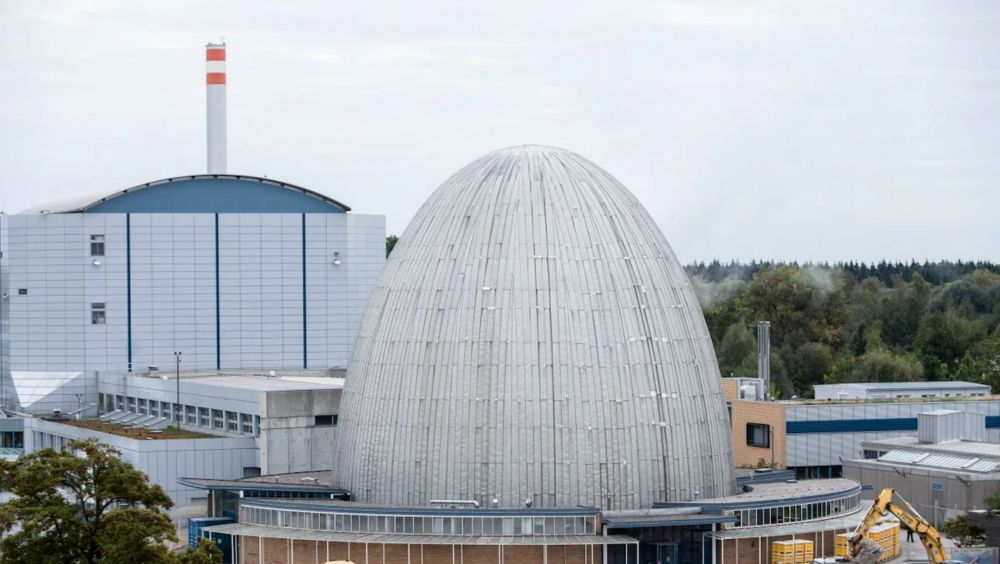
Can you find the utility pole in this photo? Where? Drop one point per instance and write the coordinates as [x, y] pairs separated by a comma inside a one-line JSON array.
[[178, 407]]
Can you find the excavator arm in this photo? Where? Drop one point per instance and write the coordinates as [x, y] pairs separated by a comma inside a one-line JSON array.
[[888, 501]]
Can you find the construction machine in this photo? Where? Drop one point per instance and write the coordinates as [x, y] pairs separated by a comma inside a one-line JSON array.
[[889, 502]]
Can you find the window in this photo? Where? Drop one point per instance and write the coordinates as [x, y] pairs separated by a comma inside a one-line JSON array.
[[325, 420], [758, 435], [22, 291], [203, 418], [97, 245], [97, 315], [246, 423]]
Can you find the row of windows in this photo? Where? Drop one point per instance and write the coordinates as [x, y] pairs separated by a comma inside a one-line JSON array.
[[215, 419], [351, 523], [793, 513]]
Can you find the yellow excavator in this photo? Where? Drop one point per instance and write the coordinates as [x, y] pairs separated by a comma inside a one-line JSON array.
[[888, 501]]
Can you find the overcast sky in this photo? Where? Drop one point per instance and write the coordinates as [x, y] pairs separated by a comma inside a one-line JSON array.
[[786, 130]]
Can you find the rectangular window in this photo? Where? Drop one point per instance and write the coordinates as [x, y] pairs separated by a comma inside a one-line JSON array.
[[325, 420], [758, 435], [97, 314], [246, 423], [97, 245], [22, 291]]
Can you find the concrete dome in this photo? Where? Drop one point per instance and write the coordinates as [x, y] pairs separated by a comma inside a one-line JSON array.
[[532, 336]]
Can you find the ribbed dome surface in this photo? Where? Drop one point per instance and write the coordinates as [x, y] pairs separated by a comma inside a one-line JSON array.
[[533, 337]]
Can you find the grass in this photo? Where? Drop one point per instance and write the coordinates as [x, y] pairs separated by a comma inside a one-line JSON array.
[[166, 434]]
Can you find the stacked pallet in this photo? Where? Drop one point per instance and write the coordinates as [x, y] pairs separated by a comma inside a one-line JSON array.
[[792, 552]]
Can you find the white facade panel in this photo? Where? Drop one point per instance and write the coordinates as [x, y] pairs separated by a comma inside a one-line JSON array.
[[168, 283]]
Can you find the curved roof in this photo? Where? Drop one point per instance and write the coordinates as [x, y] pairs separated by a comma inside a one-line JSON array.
[[533, 337], [205, 193]]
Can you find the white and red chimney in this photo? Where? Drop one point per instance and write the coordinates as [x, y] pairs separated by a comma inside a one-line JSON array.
[[215, 91]]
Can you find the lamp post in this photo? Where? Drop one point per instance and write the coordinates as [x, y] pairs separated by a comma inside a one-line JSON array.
[[178, 408]]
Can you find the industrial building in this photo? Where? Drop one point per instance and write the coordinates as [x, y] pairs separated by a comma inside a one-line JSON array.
[[216, 271], [900, 390], [946, 470], [534, 382], [815, 437], [225, 305], [235, 425]]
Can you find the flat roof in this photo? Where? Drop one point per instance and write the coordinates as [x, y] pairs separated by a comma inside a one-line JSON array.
[[386, 538], [255, 381], [340, 506], [946, 384], [973, 448], [318, 482], [846, 522], [775, 493]]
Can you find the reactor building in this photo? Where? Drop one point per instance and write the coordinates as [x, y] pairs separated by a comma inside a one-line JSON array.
[[533, 341]]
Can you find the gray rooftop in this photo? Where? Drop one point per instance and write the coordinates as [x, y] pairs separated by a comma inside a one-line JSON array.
[[893, 386]]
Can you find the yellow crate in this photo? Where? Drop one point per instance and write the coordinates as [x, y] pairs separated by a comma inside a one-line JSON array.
[[792, 552]]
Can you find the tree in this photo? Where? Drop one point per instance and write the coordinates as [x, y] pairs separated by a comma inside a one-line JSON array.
[[82, 504], [962, 532], [943, 339], [981, 363], [390, 243], [882, 366], [737, 345], [809, 365]]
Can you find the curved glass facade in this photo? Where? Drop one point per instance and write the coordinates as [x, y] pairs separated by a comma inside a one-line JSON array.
[[466, 525], [793, 513]]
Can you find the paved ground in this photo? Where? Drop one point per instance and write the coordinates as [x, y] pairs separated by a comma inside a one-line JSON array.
[[914, 551]]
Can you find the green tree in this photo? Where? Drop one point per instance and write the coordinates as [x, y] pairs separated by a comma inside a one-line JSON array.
[[962, 532], [943, 339], [981, 363], [882, 365], [82, 504], [902, 312], [736, 347], [390, 243], [809, 365]]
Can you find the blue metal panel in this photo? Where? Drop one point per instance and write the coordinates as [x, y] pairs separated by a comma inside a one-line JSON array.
[[863, 425], [218, 324], [305, 333], [216, 195], [128, 283]]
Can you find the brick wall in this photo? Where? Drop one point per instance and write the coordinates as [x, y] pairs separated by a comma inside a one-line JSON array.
[[768, 413], [285, 551]]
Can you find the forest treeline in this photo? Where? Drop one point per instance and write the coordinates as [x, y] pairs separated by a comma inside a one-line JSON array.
[[855, 322]]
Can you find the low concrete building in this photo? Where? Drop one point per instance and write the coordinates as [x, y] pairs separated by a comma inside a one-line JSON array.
[[900, 390], [247, 424], [293, 413], [162, 458], [941, 472]]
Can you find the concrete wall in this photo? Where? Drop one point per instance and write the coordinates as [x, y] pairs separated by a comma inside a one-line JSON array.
[[290, 440], [160, 270], [956, 492], [164, 461]]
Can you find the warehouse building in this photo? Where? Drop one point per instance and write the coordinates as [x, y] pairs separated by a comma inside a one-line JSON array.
[[900, 390]]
